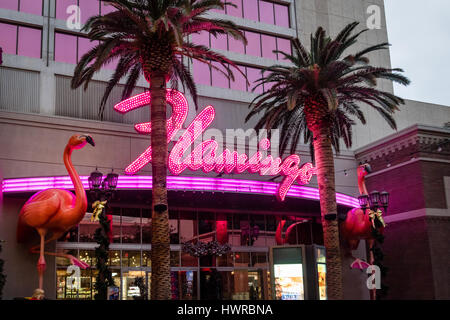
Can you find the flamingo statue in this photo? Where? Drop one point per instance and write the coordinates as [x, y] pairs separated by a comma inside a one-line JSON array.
[[358, 225], [55, 211]]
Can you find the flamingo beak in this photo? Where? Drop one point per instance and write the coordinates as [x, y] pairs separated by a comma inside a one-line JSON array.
[[90, 141]]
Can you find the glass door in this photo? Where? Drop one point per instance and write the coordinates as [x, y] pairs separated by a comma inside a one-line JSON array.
[[135, 284]]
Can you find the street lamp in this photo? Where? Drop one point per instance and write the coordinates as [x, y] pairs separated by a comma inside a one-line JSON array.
[[374, 198], [384, 199], [95, 180], [363, 201], [103, 187]]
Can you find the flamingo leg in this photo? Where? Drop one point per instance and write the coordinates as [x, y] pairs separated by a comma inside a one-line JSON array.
[[41, 265], [72, 259]]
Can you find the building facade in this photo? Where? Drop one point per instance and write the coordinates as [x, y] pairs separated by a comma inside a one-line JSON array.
[[41, 49]]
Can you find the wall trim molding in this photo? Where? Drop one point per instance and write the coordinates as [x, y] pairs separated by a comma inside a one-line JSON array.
[[419, 213]]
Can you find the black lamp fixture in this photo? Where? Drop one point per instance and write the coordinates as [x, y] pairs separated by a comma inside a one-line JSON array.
[[95, 180], [384, 199], [374, 198], [97, 183], [363, 201]]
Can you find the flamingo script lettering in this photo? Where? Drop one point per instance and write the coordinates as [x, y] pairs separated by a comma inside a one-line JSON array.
[[205, 156]]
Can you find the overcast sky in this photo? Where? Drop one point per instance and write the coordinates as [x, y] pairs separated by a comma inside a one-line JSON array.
[[419, 32]]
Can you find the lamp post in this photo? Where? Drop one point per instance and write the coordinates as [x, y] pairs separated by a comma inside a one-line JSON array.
[[103, 191], [374, 201], [103, 188]]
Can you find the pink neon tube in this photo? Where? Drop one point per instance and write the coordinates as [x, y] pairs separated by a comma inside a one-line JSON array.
[[206, 184]]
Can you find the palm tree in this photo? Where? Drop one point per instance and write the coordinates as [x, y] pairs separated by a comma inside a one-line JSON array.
[[150, 37], [317, 97]]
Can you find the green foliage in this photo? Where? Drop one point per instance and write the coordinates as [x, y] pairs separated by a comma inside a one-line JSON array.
[[324, 86], [378, 260], [2, 275], [104, 277], [153, 36]]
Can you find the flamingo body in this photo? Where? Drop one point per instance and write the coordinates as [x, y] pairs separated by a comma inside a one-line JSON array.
[[55, 211], [47, 210]]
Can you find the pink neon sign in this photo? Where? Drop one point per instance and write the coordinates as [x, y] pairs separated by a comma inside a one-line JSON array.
[[205, 155]]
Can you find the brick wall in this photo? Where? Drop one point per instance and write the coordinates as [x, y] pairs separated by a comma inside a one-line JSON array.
[[407, 255]]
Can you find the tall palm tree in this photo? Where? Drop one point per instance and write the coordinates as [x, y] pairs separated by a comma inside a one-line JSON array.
[[317, 97], [150, 37]]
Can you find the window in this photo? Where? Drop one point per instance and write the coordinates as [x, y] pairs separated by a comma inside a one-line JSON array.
[[268, 46], [27, 6], [254, 43], [285, 46], [235, 11], [239, 82], [201, 38], [10, 5], [61, 7], [106, 8], [236, 45], [202, 73], [8, 40], [88, 8], [65, 48], [251, 10], [31, 6], [281, 15], [29, 42], [84, 45], [254, 74], [218, 78], [266, 13], [23, 41], [220, 42]]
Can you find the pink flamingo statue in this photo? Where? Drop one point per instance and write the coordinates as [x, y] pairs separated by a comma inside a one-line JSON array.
[[358, 225], [55, 211]]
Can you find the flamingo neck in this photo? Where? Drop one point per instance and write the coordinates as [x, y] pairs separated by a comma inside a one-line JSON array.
[[80, 206], [362, 185]]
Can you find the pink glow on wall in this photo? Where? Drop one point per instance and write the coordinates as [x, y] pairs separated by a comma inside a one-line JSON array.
[[266, 12], [61, 7], [8, 38], [281, 15], [206, 184], [9, 4], [29, 42], [65, 48]]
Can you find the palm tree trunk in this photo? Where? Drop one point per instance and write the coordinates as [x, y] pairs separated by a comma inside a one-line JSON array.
[[160, 254], [324, 159]]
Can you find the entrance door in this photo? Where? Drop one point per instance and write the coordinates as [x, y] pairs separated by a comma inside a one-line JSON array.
[[135, 284]]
